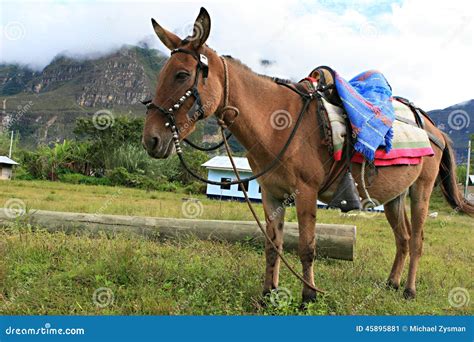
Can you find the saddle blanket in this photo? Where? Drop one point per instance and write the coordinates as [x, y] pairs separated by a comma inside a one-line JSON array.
[[409, 143], [367, 101]]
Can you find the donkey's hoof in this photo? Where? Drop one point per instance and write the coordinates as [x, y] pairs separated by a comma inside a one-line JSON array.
[[263, 300], [266, 297], [303, 306], [409, 293], [309, 297], [391, 285]]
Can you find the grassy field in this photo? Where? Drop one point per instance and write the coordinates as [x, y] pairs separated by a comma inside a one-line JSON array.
[[44, 273]]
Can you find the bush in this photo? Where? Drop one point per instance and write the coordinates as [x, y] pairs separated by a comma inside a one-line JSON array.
[[77, 178], [120, 176], [172, 169], [49, 162], [31, 163], [21, 173], [104, 143], [195, 188], [131, 157], [169, 187]]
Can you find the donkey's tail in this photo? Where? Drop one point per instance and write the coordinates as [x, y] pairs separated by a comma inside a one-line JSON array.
[[448, 181]]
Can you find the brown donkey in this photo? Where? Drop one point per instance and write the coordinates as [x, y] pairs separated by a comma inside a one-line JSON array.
[[268, 112]]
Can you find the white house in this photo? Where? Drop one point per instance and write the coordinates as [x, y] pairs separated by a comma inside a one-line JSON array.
[[6, 165], [220, 170]]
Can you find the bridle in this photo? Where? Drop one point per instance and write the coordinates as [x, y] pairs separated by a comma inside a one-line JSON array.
[[197, 108], [203, 66]]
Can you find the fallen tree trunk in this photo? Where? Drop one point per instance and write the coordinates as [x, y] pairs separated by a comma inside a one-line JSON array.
[[332, 240]]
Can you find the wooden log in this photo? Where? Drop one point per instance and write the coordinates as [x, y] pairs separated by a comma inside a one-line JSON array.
[[332, 240]]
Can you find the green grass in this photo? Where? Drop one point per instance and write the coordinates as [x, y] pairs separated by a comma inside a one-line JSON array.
[[116, 200], [54, 273]]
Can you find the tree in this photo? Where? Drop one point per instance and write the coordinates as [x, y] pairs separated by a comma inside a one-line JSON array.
[[102, 143]]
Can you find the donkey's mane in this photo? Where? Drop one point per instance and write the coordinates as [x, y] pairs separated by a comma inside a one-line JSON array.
[[246, 67]]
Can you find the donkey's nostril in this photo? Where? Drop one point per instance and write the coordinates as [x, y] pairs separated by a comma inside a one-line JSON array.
[[154, 142], [150, 143]]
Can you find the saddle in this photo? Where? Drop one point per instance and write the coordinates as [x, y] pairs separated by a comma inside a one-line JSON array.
[[324, 76], [346, 197]]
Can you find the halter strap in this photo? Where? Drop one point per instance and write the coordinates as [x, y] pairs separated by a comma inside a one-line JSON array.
[[226, 107], [203, 63]]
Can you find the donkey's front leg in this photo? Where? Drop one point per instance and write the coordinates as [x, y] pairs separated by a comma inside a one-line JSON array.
[[274, 217], [306, 212]]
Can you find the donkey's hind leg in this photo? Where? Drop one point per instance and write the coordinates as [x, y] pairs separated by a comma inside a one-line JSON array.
[[396, 214], [274, 217]]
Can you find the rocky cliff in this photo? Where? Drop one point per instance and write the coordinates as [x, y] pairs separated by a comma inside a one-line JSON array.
[[43, 105]]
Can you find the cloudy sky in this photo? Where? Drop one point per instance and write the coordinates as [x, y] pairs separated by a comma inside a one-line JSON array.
[[424, 48]]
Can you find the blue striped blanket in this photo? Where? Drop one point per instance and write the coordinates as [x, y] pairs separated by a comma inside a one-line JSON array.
[[367, 102]]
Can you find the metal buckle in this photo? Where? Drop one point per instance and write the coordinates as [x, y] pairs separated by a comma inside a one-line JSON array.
[[205, 66], [203, 59]]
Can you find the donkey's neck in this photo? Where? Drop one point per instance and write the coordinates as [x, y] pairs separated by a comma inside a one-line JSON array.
[[257, 97]]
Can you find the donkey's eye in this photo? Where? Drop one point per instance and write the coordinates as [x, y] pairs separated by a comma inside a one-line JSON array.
[[182, 75]]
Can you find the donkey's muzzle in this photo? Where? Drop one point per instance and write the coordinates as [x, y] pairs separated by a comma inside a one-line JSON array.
[[151, 143], [158, 147]]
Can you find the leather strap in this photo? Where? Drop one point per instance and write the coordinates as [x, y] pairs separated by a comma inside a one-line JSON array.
[[419, 115]]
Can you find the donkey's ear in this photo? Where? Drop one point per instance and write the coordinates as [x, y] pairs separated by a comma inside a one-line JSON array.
[[168, 38], [201, 29]]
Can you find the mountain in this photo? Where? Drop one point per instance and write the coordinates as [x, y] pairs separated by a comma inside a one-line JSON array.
[[43, 105], [457, 121], [14, 78]]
